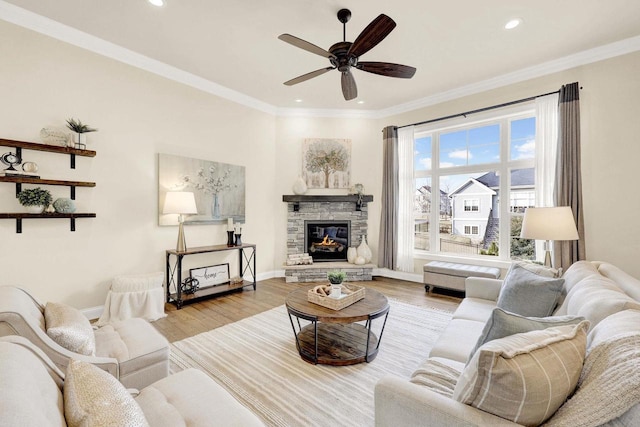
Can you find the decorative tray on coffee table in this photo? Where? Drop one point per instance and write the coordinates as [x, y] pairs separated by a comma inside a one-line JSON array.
[[345, 300]]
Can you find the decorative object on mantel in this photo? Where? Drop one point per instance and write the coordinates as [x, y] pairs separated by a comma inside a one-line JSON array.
[[219, 188], [181, 203], [360, 261], [79, 139], [358, 190], [64, 205], [35, 199], [326, 163], [299, 259], [299, 186], [352, 254], [364, 251]]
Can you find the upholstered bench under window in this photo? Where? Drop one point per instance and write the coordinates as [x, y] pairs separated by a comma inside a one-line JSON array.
[[449, 275]]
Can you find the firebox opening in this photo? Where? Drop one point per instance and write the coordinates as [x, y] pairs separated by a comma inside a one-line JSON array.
[[327, 240]]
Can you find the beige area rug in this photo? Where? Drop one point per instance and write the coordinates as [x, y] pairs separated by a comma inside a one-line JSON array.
[[257, 361]]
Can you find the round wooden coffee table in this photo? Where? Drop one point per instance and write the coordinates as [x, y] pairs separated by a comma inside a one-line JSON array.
[[337, 337]]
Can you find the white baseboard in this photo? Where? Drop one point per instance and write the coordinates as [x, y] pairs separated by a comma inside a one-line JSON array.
[[400, 275]]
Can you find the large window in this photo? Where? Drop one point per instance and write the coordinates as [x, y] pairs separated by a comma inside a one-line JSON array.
[[468, 166]]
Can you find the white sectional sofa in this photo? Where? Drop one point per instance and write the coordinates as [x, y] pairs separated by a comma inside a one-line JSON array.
[[596, 291]]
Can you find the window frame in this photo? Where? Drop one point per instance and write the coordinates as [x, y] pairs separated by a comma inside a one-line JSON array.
[[503, 167], [471, 206]]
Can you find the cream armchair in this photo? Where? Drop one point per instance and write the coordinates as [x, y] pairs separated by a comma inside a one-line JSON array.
[[130, 350]]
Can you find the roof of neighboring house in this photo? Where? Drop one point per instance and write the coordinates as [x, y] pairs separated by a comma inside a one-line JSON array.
[[519, 178], [473, 182], [427, 188]]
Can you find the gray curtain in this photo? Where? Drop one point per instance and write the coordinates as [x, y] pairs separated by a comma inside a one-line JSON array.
[[568, 188], [388, 241]]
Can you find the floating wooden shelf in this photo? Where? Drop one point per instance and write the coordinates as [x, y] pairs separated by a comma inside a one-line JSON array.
[[19, 216], [19, 180], [297, 199], [73, 152]]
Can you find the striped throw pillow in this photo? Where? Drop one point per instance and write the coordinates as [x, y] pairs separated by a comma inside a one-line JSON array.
[[525, 377]]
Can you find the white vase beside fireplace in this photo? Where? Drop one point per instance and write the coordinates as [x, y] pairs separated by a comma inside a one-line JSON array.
[[364, 251], [352, 254]]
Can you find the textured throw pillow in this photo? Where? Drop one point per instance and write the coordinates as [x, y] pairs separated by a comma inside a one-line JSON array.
[[69, 328], [539, 269], [528, 294], [437, 377], [92, 397], [525, 377], [502, 324]]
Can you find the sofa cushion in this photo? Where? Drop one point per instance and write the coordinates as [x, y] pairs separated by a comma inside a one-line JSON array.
[[529, 294], [70, 328], [457, 340], [616, 324], [139, 348], [93, 397], [502, 324], [608, 386], [596, 299], [29, 397], [477, 309], [539, 269], [525, 377], [178, 401]]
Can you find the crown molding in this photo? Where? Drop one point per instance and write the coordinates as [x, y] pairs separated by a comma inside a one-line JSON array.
[[54, 29]]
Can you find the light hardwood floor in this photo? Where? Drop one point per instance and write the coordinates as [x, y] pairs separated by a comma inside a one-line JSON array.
[[210, 314]]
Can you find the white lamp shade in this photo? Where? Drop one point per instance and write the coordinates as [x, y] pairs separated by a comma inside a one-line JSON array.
[[555, 223], [179, 202]]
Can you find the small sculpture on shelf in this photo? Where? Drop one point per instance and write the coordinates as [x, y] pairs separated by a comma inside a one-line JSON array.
[[190, 285]]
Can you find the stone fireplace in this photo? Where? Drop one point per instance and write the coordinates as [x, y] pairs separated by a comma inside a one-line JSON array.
[[312, 218]]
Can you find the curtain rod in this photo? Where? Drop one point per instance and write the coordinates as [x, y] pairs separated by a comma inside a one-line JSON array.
[[480, 110]]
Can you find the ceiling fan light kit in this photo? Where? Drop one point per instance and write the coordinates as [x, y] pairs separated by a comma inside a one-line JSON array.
[[345, 55]]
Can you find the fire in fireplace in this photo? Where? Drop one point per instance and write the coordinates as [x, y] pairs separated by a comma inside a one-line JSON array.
[[327, 240]]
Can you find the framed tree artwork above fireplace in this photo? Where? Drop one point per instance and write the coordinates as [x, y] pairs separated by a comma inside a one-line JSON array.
[[326, 163]]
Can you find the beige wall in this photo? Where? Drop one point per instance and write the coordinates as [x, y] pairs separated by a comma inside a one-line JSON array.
[[609, 104], [43, 82]]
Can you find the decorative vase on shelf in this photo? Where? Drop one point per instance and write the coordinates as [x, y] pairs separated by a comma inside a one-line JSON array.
[[352, 254], [215, 207], [364, 251], [299, 186], [360, 261]]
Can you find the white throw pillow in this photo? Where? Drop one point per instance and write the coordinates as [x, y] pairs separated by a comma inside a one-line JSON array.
[[70, 328], [525, 377], [93, 397]]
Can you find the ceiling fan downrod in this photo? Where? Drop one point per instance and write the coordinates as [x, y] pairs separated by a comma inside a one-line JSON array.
[[343, 16]]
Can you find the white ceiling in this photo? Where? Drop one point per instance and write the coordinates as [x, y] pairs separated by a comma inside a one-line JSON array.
[[452, 44]]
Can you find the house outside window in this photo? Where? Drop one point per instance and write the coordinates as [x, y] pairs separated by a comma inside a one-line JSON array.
[[471, 161]]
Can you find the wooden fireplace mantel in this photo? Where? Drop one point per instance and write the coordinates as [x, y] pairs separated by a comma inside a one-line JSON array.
[[315, 198]]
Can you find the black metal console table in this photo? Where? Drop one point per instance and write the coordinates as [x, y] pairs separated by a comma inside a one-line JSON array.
[[173, 275]]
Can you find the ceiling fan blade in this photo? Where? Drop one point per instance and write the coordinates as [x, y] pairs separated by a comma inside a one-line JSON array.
[[349, 88], [307, 76], [387, 69], [303, 44], [375, 32]]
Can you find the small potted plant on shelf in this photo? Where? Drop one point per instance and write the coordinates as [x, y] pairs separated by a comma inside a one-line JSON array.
[[35, 199], [80, 129]]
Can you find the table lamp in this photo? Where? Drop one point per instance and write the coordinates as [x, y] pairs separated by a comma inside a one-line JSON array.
[[547, 224], [181, 203]]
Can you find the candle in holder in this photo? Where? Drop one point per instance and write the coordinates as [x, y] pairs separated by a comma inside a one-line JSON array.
[[229, 224]]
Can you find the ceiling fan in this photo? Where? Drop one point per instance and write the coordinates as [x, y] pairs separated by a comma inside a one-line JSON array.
[[345, 55]]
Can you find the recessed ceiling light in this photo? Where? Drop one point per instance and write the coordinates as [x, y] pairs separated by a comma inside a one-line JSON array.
[[513, 23], [360, 102], [298, 100], [158, 3]]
